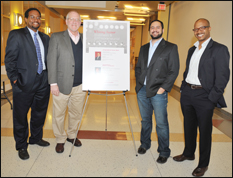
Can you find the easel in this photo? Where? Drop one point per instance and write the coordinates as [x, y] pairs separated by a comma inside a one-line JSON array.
[[89, 92]]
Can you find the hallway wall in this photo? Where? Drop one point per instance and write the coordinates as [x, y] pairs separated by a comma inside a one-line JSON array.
[[182, 18]]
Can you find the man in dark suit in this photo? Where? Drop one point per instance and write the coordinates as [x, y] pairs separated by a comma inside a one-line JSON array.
[[98, 57], [205, 78], [25, 63], [156, 72]]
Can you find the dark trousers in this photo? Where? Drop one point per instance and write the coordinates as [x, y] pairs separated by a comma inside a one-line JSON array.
[[37, 99], [198, 111]]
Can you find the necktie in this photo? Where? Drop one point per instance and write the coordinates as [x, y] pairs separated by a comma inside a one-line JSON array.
[[38, 53]]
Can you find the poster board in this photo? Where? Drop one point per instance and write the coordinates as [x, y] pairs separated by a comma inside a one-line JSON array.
[[106, 55]]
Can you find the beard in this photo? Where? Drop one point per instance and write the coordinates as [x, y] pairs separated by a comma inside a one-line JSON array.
[[32, 26], [157, 37], [36, 28]]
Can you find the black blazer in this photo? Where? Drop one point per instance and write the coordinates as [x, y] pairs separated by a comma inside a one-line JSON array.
[[213, 71], [162, 70], [21, 60]]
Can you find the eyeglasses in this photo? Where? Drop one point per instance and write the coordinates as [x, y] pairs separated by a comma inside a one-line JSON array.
[[201, 28], [34, 17], [155, 28], [72, 20]]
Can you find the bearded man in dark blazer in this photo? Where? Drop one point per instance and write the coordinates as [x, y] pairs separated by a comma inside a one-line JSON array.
[[205, 78], [25, 61], [156, 72]]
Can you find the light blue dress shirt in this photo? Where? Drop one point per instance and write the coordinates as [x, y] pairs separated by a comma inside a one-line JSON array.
[[151, 52], [40, 43]]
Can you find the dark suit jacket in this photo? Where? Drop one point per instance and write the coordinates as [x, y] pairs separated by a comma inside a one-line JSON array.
[[98, 58], [21, 60], [213, 71], [162, 70]]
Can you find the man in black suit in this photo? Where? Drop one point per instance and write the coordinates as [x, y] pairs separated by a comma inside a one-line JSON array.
[[25, 63], [205, 78], [156, 72], [98, 57]]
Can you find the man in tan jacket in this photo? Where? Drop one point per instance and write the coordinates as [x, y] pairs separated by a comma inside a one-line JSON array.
[[65, 79]]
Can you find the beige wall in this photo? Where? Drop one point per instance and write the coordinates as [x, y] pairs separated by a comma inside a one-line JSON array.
[[80, 29], [47, 19], [145, 33], [55, 24], [138, 38], [163, 16], [182, 18]]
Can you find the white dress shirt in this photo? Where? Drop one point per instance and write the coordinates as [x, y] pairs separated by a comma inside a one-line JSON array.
[[192, 76]]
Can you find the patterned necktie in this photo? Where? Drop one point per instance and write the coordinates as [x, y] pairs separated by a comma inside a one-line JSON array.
[[38, 53]]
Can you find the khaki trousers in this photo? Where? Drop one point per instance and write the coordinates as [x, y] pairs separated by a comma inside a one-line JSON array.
[[74, 101]]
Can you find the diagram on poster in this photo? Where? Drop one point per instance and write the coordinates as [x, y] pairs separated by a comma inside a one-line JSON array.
[[106, 55]]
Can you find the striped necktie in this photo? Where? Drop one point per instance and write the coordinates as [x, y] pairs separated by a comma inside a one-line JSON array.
[[38, 53]]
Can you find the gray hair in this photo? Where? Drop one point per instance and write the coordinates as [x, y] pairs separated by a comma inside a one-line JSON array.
[[67, 16]]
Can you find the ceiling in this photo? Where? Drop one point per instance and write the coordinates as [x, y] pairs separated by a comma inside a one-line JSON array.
[[113, 9]]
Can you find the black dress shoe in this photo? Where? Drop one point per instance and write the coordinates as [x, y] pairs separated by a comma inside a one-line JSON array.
[[23, 154], [161, 159], [199, 171], [76, 143], [180, 158], [42, 143], [141, 150]]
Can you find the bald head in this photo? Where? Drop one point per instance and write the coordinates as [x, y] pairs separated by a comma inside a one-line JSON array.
[[202, 19]]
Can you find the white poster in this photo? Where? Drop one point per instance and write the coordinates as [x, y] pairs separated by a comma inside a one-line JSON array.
[[106, 55]]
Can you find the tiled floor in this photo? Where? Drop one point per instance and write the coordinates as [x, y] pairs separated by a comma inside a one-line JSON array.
[[112, 152]]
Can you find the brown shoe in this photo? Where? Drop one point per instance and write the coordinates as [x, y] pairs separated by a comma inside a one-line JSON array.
[[77, 142], [180, 158], [60, 147], [199, 171]]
